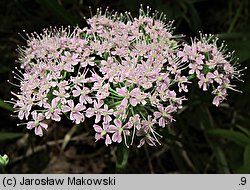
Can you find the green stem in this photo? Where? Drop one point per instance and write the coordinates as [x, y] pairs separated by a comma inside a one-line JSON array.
[[236, 16], [122, 154]]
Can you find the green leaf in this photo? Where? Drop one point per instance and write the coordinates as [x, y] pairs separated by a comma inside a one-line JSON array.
[[247, 158], [246, 131], [8, 135], [5, 106], [245, 168], [208, 124], [237, 137]]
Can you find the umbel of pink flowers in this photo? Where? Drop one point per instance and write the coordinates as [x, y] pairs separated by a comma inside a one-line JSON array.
[[130, 74]]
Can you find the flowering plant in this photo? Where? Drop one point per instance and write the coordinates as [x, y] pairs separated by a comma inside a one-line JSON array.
[[130, 74]]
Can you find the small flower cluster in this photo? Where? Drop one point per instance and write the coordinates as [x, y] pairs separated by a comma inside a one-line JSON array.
[[129, 74]]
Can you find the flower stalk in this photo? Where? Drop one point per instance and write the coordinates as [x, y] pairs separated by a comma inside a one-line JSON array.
[[122, 154]]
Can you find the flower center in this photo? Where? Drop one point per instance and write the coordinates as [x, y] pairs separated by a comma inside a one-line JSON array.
[[103, 132]]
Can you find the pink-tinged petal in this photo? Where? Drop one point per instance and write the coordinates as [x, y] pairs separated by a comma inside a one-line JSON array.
[[98, 136], [216, 100], [199, 60], [126, 132], [39, 131], [89, 100], [98, 118], [97, 128], [150, 141], [105, 126], [66, 96], [76, 93], [74, 56], [80, 107], [46, 105], [55, 92], [135, 92], [71, 103], [118, 123], [142, 142], [43, 125], [119, 139], [204, 87], [78, 117], [200, 83], [108, 140], [110, 112], [124, 102], [107, 119], [89, 112], [106, 107], [210, 75], [82, 100], [122, 91], [191, 71], [55, 117], [30, 125], [54, 103], [40, 117], [157, 114], [100, 103], [144, 102], [116, 137], [21, 115], [34, 115], [162, 122], [95, 104], [133, 101], [65, 108], [112, 129]]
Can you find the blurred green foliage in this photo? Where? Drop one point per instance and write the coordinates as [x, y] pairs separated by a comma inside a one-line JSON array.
[[204, 139]]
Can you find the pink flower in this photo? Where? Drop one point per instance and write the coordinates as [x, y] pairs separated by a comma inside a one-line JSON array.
[[24, 110], [83, 93], [218, 77], [52, 111], [95, 111], [205, 81], [195, 68], [221, 94], [137, 97], [182, 82], [120, 111], [134, 121], [118, 130], [62, 94], [165, 115], [103, 92], [37, 124], [71, 59], [106, 114], [102, 133], [75, 111], [124, 92], [147, 138]]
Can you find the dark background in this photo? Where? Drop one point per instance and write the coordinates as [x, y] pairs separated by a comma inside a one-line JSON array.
[[204, 139]]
